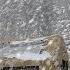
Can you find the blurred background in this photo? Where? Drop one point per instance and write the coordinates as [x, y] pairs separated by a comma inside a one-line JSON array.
[[22, 19]]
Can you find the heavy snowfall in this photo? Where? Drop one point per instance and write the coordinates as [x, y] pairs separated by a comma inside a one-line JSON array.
[[24, 23]]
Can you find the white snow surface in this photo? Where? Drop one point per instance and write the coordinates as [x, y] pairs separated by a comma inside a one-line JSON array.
[[26, 52], [31, 56]]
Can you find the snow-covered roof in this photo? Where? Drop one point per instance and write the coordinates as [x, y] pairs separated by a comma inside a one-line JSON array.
[[25, 50], [30, 56]]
